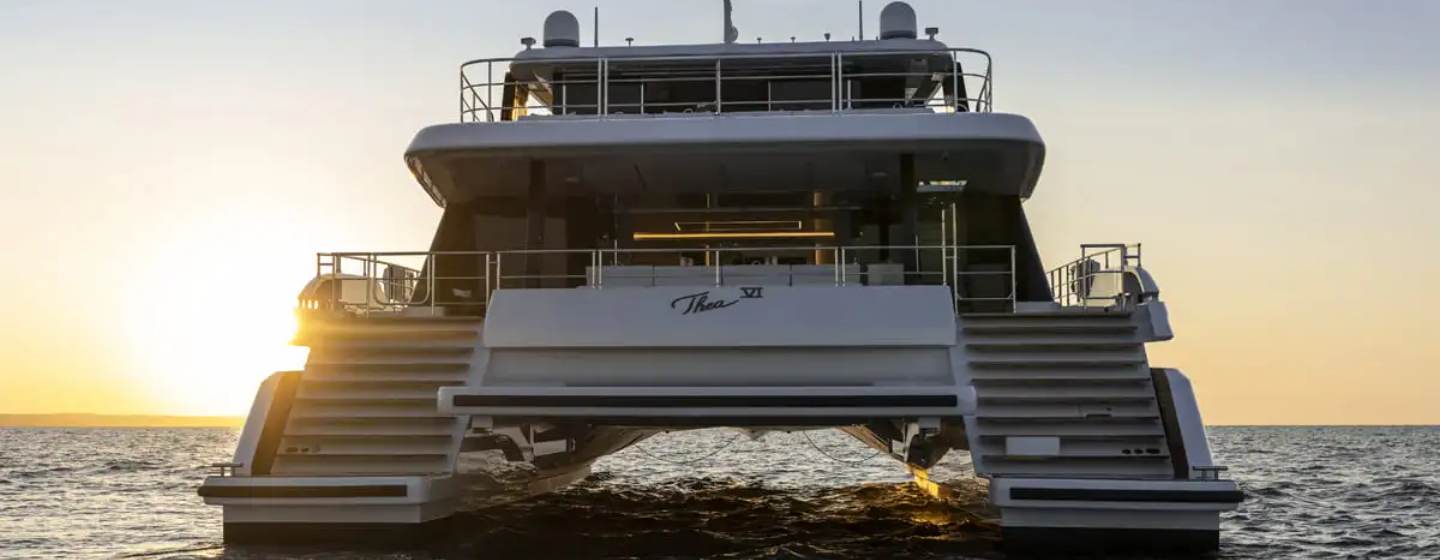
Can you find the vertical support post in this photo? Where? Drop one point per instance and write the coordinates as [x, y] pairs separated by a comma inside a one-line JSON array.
[[1013, 281], [719, 276], [318, 279], [597, 260], [944, 250], [485, 278], [719, 103], [500, 270], [489, 91], [834, 84], [369, 279], [955, 77]]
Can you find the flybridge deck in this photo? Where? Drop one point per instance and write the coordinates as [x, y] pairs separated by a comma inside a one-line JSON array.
[[727, 78]]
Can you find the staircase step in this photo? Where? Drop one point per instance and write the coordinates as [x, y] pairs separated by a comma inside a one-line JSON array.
[[1053, 363], [1124, 440], [1091, 428], [394, 399], [455, 370], [367, 445], [439, 379], [387, 353], [1049, 381], [1071, 411], [1073, 313], [1047, 346], [365, 409], [386, 321], [340, 465], [1119, 467], [1083, 456], [403, 389], [1071, 375], [1047, 329], [375, 456], [1148, 446], [395, 335], [1060, 394], [365, 427]]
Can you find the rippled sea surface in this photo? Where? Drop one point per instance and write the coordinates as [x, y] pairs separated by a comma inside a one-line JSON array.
[[1312, 492]]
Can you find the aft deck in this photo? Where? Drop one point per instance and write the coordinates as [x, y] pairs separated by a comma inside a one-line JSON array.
[[979, 278]]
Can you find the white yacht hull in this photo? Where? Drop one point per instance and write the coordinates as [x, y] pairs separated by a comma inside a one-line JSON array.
[[1061, 410]]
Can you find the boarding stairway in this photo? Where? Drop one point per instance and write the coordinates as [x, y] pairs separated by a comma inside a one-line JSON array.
[[1064, 393], [365, 403]]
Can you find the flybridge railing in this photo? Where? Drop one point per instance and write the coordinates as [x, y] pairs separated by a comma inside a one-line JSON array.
[[978, 276], [1097, 278], [486, 84]]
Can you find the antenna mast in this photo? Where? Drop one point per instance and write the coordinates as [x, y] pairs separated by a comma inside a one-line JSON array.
[[597, 25], [861, 11]]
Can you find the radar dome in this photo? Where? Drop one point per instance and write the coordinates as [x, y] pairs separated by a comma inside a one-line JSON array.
[[897, 21], [563, 30]]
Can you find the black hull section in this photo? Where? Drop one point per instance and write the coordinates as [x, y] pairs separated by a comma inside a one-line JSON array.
[[350, 534], [1050, 541]]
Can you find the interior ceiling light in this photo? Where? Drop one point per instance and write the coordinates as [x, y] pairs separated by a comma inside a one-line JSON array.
[[642, 236], [739, 225]]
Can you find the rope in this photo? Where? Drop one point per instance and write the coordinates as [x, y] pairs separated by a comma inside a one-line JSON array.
[[833, 458], [733, 438]]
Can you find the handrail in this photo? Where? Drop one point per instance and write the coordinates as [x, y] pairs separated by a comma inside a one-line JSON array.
[[478, 104], [1074, 284], [374, 282]]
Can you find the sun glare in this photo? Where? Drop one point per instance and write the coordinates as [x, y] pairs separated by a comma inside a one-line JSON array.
[[205, 339]]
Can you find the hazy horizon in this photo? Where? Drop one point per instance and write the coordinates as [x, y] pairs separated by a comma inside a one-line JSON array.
[[171, 168]]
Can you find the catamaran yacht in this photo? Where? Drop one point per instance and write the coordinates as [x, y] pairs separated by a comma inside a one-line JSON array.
[[771, 235]]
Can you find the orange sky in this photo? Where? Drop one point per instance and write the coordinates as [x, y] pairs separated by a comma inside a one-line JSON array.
[[170, 169]]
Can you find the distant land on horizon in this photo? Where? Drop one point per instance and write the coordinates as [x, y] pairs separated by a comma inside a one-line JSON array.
[[75, 420]]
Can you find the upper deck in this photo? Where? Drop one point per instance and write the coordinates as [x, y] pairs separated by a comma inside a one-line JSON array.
[[837, 77], [828, 114]]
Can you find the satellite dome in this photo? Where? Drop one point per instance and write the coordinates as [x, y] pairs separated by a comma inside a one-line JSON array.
[[897, 21], [563, 30]]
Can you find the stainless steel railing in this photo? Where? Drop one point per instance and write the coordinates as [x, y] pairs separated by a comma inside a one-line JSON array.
[[969, 78], [385, 282], [1097, 278]]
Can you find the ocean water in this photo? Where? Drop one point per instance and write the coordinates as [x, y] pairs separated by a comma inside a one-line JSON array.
[[1331, 492]]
